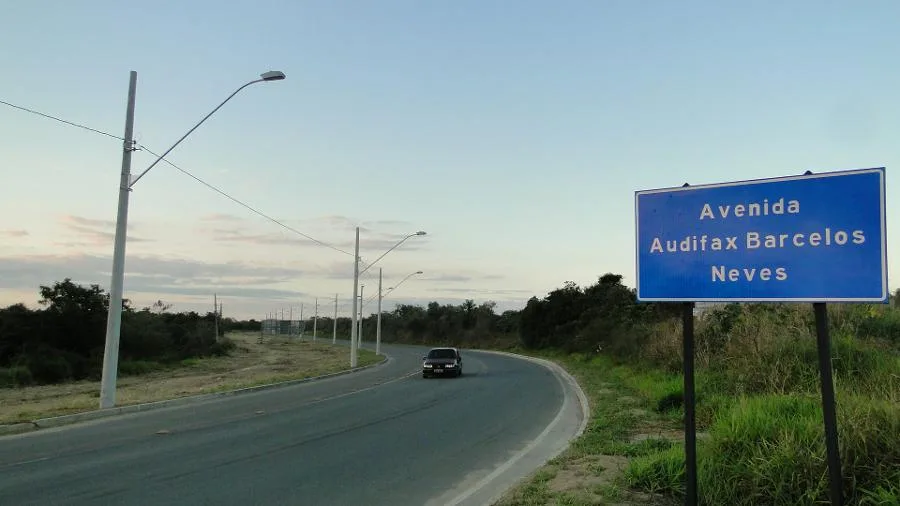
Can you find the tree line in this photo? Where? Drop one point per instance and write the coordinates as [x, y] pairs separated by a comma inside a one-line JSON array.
[[64, 339]]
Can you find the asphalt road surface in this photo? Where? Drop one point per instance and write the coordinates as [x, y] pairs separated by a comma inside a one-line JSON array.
[[384, 436]]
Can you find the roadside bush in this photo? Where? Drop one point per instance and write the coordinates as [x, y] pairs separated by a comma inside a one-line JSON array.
[[145, 335], [15, 376], [222, 348], [53, 366], [65, 339], [880, 321], [137, 367], [659, 473], [771, 450]]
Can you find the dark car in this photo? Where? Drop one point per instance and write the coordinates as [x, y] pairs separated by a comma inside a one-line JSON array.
[[442, 362]]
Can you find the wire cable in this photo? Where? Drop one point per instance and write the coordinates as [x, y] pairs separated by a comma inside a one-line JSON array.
[[101, 132], [246, 206], [183, 171]]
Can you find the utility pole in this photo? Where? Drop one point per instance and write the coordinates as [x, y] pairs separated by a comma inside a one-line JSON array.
[[378, 324], [334, 324], [353, 335], [114, 320], [216, 316], [301, 321], [291, 320], [360, 332], [316, 319]]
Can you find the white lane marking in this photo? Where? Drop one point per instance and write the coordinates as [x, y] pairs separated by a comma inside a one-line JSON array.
[[32, 461], [345, 394], [560, 374]]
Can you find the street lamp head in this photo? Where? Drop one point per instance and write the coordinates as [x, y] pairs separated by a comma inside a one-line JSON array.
[[272, 75], [420, 232], [418, 272]]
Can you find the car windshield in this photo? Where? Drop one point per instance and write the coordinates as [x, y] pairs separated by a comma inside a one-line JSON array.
[[442, 353]]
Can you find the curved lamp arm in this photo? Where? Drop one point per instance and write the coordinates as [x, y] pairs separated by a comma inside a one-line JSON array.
[[420, 232], [273, 75]]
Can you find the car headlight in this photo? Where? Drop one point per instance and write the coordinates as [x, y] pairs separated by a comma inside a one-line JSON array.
[[449, 365], [427, 366]]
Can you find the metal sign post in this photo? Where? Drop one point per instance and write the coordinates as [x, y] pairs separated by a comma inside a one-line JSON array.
[[814, 238]]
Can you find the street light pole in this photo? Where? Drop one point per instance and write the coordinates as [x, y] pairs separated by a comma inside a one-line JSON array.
[[419, 233], [353, 336], [354, 332], [114, 315], [316, 319], [380, 297], [334, 323], [361, 319], [378, 322]]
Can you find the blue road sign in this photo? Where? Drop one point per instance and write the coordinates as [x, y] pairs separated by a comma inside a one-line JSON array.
[[810, 238]]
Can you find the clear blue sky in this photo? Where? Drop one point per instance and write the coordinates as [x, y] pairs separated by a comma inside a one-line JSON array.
[[515, 133]]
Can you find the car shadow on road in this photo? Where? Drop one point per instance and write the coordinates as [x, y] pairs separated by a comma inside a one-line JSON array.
[[479, 374]]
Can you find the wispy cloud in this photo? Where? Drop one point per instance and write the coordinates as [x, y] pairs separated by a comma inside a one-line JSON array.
[[464, 276], [14, 233], [221, 217], [238, 235], [93, 232], [371, 245], [484, 291], [145, 274], [390, 223], [341, 222], [449, 278], [88, 222]]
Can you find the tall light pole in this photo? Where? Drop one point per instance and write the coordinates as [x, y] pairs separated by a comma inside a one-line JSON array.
[[361, 319], [114, 315], [315, 319], [353, 336], [378, 320], [356, 272], [334, 323], [381, 296]]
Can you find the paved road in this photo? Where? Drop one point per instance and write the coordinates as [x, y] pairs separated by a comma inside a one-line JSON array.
[[384, 436]]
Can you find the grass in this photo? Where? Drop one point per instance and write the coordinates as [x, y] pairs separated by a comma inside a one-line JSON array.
[[623, 426], [250, 364], [759, 417]]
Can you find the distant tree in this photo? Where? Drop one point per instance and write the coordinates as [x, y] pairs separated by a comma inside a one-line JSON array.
[[160, 307]]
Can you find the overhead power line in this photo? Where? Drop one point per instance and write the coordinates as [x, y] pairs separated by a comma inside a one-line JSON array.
[[101, 132], [186, 172], [245, 205]]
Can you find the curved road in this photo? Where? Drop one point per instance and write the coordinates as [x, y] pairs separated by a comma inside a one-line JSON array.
[[383, 436]]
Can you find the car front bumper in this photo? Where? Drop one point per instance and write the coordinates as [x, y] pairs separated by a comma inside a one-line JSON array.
[[440, 371]]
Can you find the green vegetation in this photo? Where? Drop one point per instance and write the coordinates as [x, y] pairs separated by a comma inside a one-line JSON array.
[[758, 399], [467, 325], [253, 362], [63, 341]]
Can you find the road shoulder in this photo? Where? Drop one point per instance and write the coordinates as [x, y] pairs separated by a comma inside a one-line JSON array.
[[569, 423], [85, 416]]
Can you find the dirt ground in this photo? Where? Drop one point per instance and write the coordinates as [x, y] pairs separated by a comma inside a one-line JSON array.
[[251, 363]]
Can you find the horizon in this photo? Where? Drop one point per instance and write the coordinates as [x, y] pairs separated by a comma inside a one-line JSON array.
[[515, 137]]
